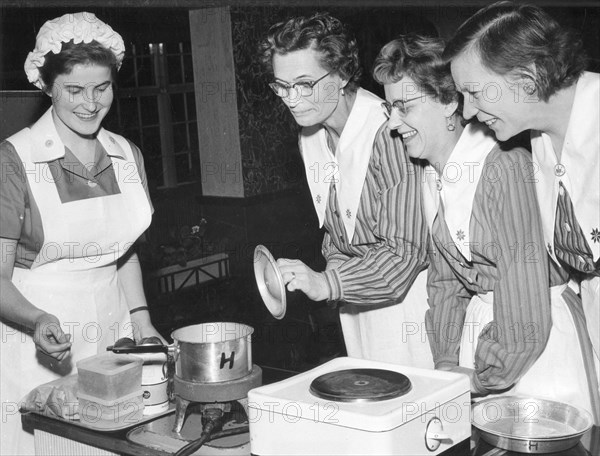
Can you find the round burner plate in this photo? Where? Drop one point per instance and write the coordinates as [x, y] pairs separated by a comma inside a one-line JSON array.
[[360, 385]]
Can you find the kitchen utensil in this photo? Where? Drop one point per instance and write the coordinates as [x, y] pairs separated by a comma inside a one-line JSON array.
[[530, 425], [212, 365], [207, 352], [270, 281]]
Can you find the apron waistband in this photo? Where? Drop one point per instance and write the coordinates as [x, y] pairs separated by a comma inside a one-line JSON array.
[[74, 279], [555, 292]]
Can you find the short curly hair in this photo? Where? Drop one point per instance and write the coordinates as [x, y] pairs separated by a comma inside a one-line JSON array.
[[509, 38], [322, 33], [92, 53], [419, 58]]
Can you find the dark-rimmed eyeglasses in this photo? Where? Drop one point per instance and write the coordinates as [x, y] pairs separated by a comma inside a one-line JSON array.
[[399, 105], [302, 88]]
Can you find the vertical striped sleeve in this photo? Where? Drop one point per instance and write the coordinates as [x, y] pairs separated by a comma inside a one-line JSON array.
[[392, 255], [522, 317], [448, 300]]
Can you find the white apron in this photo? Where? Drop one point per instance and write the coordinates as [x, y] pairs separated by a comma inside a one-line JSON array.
[[590, 299], [73, 277], [558, 374], [579, 171], [394, 333]]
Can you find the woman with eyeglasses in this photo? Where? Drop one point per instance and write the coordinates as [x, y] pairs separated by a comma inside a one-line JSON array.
[[493, 315], [364, 189], [519, 70]]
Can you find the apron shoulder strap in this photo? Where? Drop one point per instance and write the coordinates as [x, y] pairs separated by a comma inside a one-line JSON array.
[[124, 144]]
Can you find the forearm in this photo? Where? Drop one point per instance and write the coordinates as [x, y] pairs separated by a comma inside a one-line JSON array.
[[384, 274], [131, 284]]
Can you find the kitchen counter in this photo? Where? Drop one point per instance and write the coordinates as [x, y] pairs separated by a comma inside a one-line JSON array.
[[116, 441]]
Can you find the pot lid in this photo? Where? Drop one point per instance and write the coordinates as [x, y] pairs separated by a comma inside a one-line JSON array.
[[270, 282], [360, 385]]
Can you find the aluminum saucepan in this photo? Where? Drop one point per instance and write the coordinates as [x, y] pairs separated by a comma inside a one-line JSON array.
[[203, 353], [530, 425]]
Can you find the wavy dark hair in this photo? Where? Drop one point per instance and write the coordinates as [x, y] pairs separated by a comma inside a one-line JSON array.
[[419, 58], [509, 38], [72, 54], [322, 33]]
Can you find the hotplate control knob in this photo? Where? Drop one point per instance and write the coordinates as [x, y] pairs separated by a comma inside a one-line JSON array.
[[434, 434]]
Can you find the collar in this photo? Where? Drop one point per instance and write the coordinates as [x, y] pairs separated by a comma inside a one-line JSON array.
[[459, 180], [578, 169], [347, 168], [431, 198], [47, 145]]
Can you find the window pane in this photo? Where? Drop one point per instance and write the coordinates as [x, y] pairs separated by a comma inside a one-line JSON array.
[[126, 73], [193, 127], [129, 112], [191, 105], [145, 71], [149, 106], [183, 168], [177, 107], [180, 139], [175, 70], [188, 68]]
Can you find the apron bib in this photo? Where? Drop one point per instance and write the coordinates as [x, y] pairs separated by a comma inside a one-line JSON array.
[[73, 277], [393, 333], [559, 372]]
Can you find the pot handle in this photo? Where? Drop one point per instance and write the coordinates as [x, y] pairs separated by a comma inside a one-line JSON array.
[[126, 345]]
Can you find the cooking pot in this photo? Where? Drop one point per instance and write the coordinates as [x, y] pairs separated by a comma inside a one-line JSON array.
[[203, 353]]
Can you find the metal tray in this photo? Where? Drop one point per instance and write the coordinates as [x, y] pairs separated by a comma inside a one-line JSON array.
[[530, 425], [70, 381], [118, 426]]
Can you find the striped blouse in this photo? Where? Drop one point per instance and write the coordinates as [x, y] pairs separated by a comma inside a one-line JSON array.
[[508, 258], [389, 246]]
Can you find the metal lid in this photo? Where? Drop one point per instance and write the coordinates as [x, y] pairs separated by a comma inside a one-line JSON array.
[[360, 385], [270, 282]]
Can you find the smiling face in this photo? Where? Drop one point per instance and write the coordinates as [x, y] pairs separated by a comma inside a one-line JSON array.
[[304, 66], [423, 126], [81, 100], [498, 101]]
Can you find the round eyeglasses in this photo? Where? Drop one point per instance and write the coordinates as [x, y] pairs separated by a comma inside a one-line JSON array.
[[302, 88], [399, 105]]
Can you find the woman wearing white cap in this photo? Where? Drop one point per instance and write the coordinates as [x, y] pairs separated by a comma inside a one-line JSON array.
[[73, 200]]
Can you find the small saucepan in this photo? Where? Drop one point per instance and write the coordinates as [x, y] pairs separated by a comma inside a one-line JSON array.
[[203, 353]]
